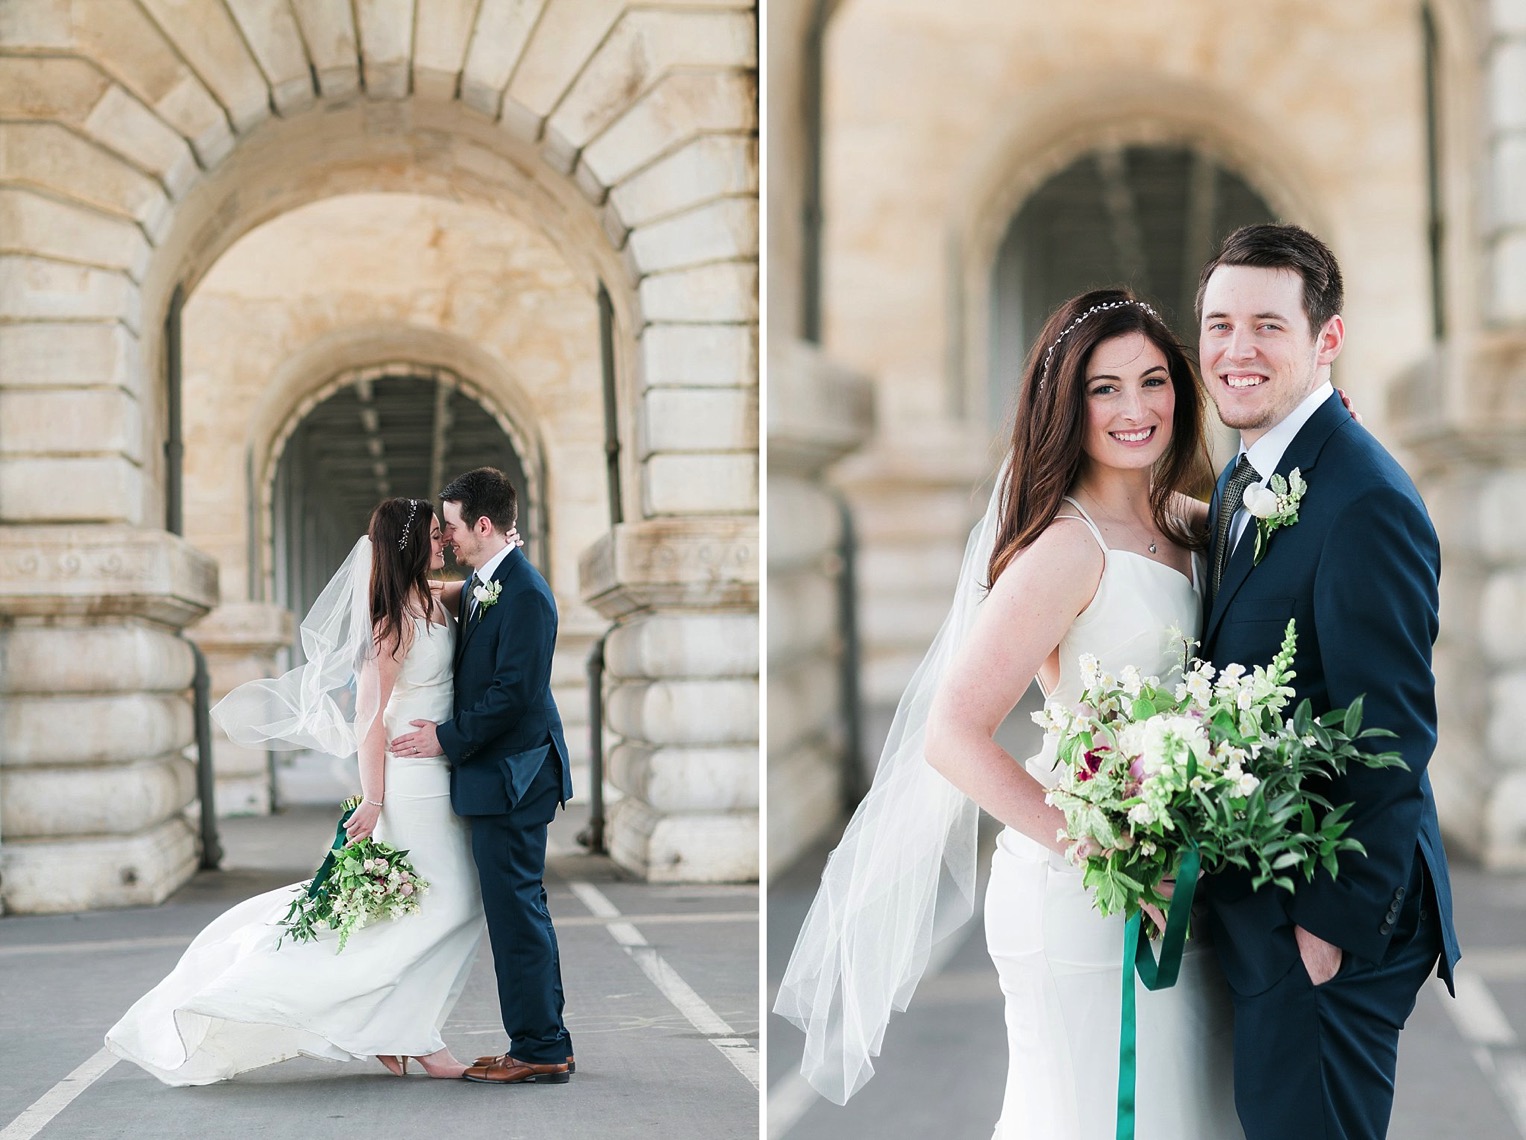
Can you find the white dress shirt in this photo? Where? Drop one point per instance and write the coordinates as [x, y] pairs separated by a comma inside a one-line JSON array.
[[483, 575], [1267, 452]]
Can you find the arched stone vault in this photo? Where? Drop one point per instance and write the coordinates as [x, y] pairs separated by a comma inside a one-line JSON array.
[[139, 140], [1087, 112], [336, 359], [266, 449]]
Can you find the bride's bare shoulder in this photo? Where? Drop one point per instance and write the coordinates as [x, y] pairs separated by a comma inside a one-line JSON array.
[[1065, 557]]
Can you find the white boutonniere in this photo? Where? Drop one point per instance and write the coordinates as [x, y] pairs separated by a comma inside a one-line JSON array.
[[1273, 507], [486, 593]]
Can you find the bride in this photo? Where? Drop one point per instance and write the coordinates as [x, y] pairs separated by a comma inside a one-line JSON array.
[[240, 998], [1088, 546]]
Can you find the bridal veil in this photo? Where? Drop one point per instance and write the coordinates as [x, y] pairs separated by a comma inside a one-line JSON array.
[[901, 879]]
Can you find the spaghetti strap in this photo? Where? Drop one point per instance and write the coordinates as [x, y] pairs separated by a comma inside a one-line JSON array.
[[1087, 519]]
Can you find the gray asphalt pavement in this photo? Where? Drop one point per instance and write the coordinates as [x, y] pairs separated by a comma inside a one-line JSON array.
[[662, 1001], [1462, 1069]]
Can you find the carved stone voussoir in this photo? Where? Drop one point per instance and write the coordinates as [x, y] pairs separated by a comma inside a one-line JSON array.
[[698, 563], [84, 572]]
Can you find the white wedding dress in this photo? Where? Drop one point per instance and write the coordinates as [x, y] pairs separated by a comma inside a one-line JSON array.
[[235, 1002], [1060, 962]]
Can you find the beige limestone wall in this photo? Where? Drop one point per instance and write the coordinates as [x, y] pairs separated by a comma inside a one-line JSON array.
[[402, 262], [427, 271], [943, 118], [140, 140], [962, 110]]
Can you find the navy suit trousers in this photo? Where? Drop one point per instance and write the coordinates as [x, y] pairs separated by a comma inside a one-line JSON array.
[[510, 851], [1317, 1062]]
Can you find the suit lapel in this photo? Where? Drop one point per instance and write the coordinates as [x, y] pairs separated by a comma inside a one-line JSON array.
[[1303, 453], [500, 575]]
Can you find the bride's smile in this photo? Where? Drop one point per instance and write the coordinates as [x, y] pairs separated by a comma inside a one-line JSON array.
[[1130, 402]]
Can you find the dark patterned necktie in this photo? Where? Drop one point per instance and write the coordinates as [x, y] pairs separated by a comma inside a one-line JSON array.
[[471, 597], [1244, 475]]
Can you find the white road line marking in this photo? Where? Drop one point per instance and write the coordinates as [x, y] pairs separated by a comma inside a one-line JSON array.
[[1477, 1015], [594, 899], [1494, 1044], [117, 945], [1510, 1076], [1498, 963], [791, 1096], [112, 946], [740, 1052], [36, 1116], [789, 1099]]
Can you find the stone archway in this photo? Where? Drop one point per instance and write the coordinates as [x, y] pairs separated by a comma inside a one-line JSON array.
[[1100, 121], [153, 137], [417, 426], [1145, 216]]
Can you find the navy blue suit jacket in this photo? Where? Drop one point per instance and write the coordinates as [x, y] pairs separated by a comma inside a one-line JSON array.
[[1359, 571], [506, 724]]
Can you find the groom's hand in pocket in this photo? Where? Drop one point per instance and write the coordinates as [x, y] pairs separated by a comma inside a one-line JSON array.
[[1320, 958], [423, 742]]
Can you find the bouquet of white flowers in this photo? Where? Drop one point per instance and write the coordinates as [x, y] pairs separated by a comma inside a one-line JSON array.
[[357, 883], [1210, 764], [1162, 780]]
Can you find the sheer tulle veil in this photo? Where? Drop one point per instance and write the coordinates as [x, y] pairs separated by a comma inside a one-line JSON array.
[[901, 879], [321, 704]]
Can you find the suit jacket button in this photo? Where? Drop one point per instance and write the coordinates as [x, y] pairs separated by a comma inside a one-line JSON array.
[[1399, 894], [1385, 928]]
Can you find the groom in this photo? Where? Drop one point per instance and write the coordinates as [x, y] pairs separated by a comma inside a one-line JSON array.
[[508, 767], [1324, 978]]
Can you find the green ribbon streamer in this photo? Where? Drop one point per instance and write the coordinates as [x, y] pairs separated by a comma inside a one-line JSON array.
[[1137, 956], [327, 866]]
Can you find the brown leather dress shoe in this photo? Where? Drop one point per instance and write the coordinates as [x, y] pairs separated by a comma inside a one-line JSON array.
[[508, 1070], [497, 1058]]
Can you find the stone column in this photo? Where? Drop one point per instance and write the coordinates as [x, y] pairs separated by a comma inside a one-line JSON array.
[[1463, 422], [1505, 222], [681, 692], [915, 496], [242, 641], [817, 414], [1473, 478], [94, 776]]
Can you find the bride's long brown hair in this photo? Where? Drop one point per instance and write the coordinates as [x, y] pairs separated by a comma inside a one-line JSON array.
[[400, 549], [1049, 429]]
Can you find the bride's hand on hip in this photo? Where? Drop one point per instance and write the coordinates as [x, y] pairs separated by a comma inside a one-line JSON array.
[[362, 821]]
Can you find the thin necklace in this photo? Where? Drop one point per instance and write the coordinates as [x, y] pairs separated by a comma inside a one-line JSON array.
[[1149, 542]]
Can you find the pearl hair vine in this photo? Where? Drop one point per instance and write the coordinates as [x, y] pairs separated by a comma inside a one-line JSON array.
[[1068, 329], [402, 543]]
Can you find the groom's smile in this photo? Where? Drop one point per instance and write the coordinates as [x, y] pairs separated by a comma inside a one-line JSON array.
[[1259, 356]]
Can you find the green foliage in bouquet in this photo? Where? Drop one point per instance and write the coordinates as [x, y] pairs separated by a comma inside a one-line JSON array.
[[1148, 770], [356, 884]]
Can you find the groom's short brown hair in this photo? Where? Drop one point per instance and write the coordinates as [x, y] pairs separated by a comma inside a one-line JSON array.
[[1277, 246], [485, 492]]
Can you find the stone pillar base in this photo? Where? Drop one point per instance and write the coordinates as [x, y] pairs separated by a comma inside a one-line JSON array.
[[93, 702], [242, 641], [691, 847], [60, 876], [682, 694]]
